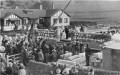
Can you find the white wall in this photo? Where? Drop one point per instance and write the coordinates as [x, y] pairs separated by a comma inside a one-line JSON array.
[[62, 16], [11, 26]]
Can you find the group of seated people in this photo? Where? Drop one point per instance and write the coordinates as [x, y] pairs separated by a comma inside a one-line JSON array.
[[74, 70]]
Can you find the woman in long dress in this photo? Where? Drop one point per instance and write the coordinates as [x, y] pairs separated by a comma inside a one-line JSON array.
[[63, 35]]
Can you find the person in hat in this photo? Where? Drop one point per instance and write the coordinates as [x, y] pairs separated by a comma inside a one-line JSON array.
[[40, 56], [2, 66], [66, 71], [91, 72], [58, 71], [15, 67], [34, 53], [47, 57], [54, 55], [63, 35], [9, 70], [73, 71]]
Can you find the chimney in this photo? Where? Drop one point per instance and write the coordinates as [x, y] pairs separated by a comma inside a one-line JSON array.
[[41, 6], [53, 7]]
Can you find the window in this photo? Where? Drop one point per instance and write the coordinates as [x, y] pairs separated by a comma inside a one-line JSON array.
[[65, 20], [60, 20], [25, 21], [17, 22], [40, 21], [54, 20], [7, 22]]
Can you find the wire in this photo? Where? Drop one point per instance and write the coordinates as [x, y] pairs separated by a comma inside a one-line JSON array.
[[61, 13]]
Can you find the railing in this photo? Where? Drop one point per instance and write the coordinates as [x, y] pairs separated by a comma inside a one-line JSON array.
[[46, 34], [91, 36], [84, 36], [16, 57], [38, 68]]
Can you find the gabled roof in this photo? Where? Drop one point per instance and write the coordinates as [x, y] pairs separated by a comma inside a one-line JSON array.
[[35, 13], [9, 11], [51, 12], [20, 12]]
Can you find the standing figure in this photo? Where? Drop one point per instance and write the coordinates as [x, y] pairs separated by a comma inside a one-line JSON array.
[[82, 29], [40, 56], [91, 72], [77, 30], [54, 55], [66, 31], [63, 35], [15, 68], [47, 57], [81, 47], [9, 70], [87, 55], [24, 55]]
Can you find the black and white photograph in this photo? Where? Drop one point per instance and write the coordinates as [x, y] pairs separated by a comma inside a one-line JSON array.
[[59, 37]]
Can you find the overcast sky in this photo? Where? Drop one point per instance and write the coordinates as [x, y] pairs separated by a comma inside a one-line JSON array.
[[96, 9], [89, 5]]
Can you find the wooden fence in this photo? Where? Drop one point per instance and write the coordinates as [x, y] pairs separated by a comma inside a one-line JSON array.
[[16, 57], [91, 36], [46, 34]]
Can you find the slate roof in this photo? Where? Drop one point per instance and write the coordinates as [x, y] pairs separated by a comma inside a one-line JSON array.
[[20, 12], [51, 12], [36, 13]]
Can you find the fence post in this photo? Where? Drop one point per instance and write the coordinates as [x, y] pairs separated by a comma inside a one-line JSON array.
[[7, 60]]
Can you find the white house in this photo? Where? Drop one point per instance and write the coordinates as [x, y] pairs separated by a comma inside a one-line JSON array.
[[22, 17]]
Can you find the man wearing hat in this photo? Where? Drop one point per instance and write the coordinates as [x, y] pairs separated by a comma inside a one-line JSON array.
[[40, 56], [58, 71], [35, 54]]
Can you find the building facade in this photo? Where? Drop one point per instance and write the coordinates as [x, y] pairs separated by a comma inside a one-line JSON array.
[[18, 18]]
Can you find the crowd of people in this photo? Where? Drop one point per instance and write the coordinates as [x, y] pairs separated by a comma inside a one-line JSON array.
[[12, 69], [74, 70], [40, 52], [38, 49], [12, 45]]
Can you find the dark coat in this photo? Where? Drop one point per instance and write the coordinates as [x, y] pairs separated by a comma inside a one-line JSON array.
[[40, 56], [15, 68], [9, 70]]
